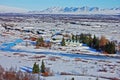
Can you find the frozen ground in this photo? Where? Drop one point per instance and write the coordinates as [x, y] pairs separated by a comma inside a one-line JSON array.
[[64, 66], [87, 65], [79, 68]]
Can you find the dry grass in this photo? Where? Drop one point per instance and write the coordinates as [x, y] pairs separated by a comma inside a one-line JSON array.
[[11, 74]]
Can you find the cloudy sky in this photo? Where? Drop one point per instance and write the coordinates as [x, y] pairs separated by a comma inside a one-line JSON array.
[[43, 4]]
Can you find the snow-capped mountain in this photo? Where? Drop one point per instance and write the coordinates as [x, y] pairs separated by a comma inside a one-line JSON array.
[[7, 9], [78, 10], [61, 10], [53, 9], [115, 8], [71, 9]]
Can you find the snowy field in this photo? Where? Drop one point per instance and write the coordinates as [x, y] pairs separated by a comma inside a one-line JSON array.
[[63, 65], [64, 68], [87, 64]]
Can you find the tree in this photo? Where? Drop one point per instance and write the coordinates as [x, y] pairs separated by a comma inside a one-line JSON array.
[[110, 48], [86, 39], [90, 41], [36, 68], [73, 37], [39, 42], [63, 42], [82, 36], [102, 42], [95, 43], [42, 67], [72, 79], [77, 38]]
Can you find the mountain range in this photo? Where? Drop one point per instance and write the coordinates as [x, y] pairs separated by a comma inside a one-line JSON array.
[[62, 10], [78, 10]]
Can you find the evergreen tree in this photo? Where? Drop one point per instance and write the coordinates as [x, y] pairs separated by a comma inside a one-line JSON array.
[[86, 39], [39, 41], [95, 43], [76, 38], [82, 37], [63, 42], [110, 48], [73, 37], [42, 67], [72, 79], [90, 41], [36, 68]]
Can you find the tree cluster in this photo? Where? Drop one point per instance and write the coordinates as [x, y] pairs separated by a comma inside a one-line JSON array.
[[41, 43], [36, 68], [101, 44]]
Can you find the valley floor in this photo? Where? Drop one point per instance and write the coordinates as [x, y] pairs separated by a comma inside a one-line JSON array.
[[63, 66]]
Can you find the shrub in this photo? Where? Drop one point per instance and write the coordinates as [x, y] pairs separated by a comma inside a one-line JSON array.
[[13, 75]]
